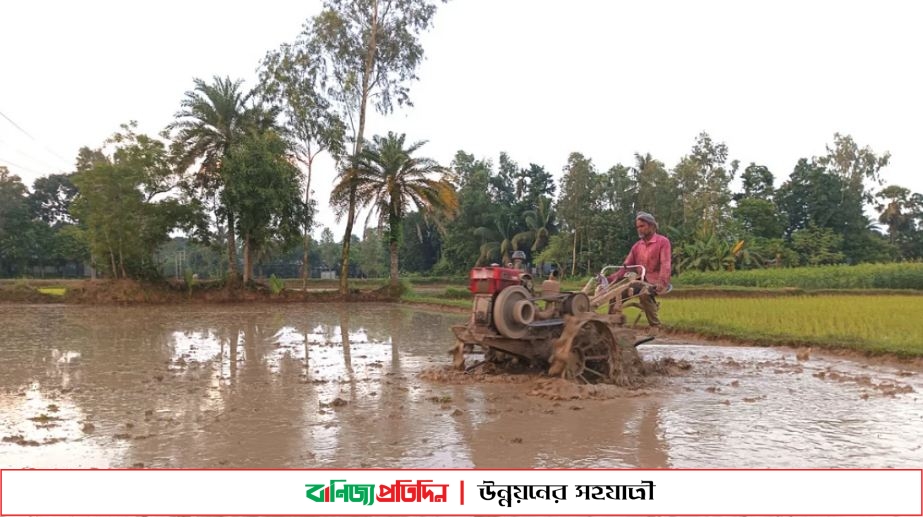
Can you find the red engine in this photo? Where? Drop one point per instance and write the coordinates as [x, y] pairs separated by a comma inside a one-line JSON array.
[[490, 280]]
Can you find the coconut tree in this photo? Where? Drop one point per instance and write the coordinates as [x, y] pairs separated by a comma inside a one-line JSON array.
[[540, 222], [497, 241], [390, 181], [899, 210], [212, 118]]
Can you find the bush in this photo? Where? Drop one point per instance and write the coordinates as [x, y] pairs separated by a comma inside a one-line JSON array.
[[276, 285], [403, 288]]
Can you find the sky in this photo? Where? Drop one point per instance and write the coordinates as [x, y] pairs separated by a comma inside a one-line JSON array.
[[536, 79]]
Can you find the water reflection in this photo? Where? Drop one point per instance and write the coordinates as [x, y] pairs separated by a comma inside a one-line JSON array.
[[339, 386], [618, 433]]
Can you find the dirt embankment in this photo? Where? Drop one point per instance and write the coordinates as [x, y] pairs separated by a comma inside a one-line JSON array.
[[101, 292]]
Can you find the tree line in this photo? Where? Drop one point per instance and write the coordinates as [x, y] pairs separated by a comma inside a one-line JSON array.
[[233, 171], [818, 215]]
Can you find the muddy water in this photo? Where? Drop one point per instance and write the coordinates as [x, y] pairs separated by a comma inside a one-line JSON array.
[[328, 386]]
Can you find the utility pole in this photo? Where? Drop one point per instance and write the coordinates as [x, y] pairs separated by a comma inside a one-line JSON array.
[[178, 262]]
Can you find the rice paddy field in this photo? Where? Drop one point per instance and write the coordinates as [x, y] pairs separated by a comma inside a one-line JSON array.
[[877, 324], [898, 275]]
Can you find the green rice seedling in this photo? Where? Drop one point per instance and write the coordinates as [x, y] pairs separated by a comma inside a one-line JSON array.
[[864, 322], [903, 275]]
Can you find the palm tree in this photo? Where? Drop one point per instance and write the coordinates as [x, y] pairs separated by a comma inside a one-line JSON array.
[[898, 209], [498, 241], [389, 179], [540, 223], [212, 118]]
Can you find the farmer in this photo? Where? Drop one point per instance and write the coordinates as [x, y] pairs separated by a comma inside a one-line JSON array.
[[653, 251]]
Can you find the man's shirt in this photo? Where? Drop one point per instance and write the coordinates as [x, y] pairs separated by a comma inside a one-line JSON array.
[[655, 255]]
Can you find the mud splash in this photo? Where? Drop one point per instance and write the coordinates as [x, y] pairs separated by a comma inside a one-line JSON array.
[[631, 373]]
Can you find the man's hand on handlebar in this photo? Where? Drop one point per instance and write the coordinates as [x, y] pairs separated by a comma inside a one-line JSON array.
[[658, 288]]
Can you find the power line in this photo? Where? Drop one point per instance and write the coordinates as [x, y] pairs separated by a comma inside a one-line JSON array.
[[33, 171], [17, 126], [40, 161], [8, 119]]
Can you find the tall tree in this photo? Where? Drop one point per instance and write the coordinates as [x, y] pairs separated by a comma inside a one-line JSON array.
[[422, 243], [757, 181], [656, 190], [391, 181], [578, 202], [538, 185], [704, 180], [117, 204], [262, 187], [294, 76], [212, 118], [14, 222], [51, 198], [27, 237], [371, 254], [460, 248], [371, 51], [504, 189], [756, 212], [87, 158], [810, 196], [893, 207], [831, 192], [900, 211], [329, 250], [858, 169], [759, 218], [619, 197]]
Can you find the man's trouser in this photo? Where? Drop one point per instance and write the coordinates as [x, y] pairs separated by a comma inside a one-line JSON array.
[[651, 307]]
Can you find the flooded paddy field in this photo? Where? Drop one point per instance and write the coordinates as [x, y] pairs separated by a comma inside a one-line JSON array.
[[311, 386]]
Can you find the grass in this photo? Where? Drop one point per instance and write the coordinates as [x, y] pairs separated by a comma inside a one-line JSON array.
[[875, 324], [436, 300], [53, 291]]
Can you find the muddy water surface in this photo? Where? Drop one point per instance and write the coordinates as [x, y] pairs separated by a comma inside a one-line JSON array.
[[331, 386]]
